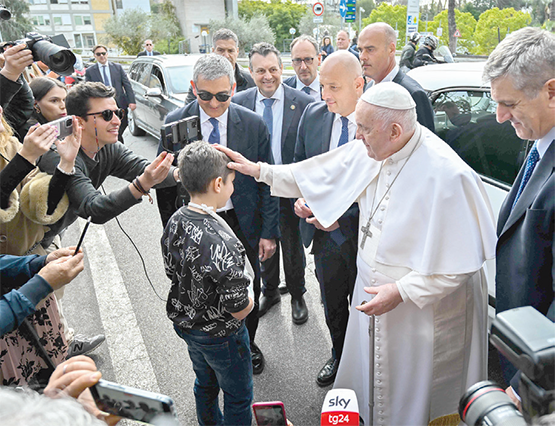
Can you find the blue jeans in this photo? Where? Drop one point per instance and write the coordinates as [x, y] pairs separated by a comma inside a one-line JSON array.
[[221, 362]]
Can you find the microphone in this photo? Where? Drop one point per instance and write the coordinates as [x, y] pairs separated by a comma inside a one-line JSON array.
[[340, 408]]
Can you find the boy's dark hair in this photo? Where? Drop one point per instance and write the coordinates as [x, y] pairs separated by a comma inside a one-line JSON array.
[[77, 101], [199, 164]]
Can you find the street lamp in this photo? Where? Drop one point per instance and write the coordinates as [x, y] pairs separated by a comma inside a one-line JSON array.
[[360, 12]]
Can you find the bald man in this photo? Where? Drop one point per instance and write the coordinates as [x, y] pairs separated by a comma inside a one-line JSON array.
[[377, 45], [323, 127], [343, 42]]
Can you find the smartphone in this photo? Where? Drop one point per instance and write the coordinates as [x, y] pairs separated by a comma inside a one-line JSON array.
[[179, 133], [132, 403], [269, 413], [64, 126], [82, 237]]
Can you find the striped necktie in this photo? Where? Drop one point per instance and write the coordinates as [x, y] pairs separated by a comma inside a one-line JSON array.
[[533, 159]]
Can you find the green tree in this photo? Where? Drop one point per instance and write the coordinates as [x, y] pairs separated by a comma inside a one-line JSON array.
[[249, 32], [493, 26], [465, 23], [128, 30], [396, 16], [19, 24], [368, 6], [330, 26]]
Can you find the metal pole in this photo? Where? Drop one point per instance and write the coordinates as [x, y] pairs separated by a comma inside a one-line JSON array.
[[371, 325]]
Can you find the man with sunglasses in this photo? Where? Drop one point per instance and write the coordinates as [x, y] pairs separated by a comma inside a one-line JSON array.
[[112, 75], [281, 107], [305, 59], [226, 44], [149, 49], [251, 212], [100, 156]]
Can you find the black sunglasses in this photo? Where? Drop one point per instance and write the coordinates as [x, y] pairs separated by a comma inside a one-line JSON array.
[[297, 61], [108, 114], [100, 54], [207, 96]]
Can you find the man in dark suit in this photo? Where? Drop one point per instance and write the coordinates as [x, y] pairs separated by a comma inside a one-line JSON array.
[[523, 85], [325, 126], [377, 46], [226, 44], [305, 58], [281, 108], [252, 213], [112, 75], [149, 49]]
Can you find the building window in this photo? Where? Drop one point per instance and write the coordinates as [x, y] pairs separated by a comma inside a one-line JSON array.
[[58, 1], [40, 20], [82, 19], [37, 2], [89, 40], [119, 4], [79, 1], [61, 20], [78, 42]]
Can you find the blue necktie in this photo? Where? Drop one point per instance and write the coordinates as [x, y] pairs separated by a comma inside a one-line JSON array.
[[268, 116], [533, 159], [105, 76], [344, 138], [306, 89], [215, 135]]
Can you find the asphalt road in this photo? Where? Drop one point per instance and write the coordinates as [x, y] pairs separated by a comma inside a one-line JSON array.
[[113, 296]]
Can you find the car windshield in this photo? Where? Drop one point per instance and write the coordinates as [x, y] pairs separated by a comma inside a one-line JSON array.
[[179, 78]]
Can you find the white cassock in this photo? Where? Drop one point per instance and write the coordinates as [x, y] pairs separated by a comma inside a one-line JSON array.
[[431, 234]]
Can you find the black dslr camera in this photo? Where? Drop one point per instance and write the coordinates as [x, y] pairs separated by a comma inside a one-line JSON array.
[[527, 339], [58, 58]]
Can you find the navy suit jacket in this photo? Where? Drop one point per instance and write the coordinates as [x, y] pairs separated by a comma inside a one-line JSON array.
[[424, 110], [295, 103], [313, 139], [257, 211], [525, 254], [143, 53], [291, 81], [120, 82]]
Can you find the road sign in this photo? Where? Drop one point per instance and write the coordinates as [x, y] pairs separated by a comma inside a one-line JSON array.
[[351, 12], [457, 34], [343, 8], [292, 31], [318, 9], [318, 19], [412, 19], [439, 31]]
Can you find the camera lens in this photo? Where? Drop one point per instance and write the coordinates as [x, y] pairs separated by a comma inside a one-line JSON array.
[[59, 59], [5, 14], [486, 403], [69, 122]]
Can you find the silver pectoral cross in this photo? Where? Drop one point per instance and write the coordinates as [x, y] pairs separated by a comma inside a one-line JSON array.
[[366, 233]]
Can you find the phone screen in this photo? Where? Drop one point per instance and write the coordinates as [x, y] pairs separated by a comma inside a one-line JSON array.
[[269, 415], [131, 403]]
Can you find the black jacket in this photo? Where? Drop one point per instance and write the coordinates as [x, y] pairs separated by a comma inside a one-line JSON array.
[[16, 98]]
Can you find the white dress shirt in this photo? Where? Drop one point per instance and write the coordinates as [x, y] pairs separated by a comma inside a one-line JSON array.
[[314, 88], [206, 128], [338, 125], [544, 143], [277, 115]]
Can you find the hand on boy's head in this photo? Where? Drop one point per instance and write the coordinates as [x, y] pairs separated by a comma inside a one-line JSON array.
[[240, 163]]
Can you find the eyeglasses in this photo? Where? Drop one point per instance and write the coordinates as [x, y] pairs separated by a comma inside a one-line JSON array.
[[207, 96], [100, 54], [108, 114], [148, 44], [307, 61]]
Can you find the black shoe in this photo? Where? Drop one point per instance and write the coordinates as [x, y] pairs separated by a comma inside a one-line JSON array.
[[257, 359], [327, 374], [282, 288], [266, 302], [299, 311]]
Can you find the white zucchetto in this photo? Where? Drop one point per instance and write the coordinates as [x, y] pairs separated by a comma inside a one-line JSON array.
[[389, 95]]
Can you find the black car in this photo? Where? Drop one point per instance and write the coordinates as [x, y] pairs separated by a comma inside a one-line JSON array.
[[160, 84]]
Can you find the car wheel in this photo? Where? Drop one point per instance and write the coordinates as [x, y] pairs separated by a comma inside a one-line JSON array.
[[133, 126]]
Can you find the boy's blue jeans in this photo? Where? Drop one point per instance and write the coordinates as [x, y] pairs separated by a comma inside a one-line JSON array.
[[221, 362]]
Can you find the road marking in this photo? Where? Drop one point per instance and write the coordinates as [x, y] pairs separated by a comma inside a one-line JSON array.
[[130, 359]]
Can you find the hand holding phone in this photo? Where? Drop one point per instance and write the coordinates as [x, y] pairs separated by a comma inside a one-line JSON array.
[[269, 413]]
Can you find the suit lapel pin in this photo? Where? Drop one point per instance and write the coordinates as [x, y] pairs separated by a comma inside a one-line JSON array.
[[292, 106]]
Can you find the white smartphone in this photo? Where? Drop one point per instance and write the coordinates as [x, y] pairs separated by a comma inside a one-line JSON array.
[[132, 403], [64, 126]]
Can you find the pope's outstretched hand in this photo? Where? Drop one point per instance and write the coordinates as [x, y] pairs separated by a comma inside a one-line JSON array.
[[240, 163]]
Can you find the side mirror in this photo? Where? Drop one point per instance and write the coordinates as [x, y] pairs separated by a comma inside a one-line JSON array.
[[154, 93]]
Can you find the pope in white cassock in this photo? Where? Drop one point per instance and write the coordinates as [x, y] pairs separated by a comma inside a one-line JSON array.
[[426, 229]]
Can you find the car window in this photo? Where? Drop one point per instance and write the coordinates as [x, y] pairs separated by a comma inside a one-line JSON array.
[[465, 119], [156, 79], [135, 70], [179, 78], [144, 75]]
